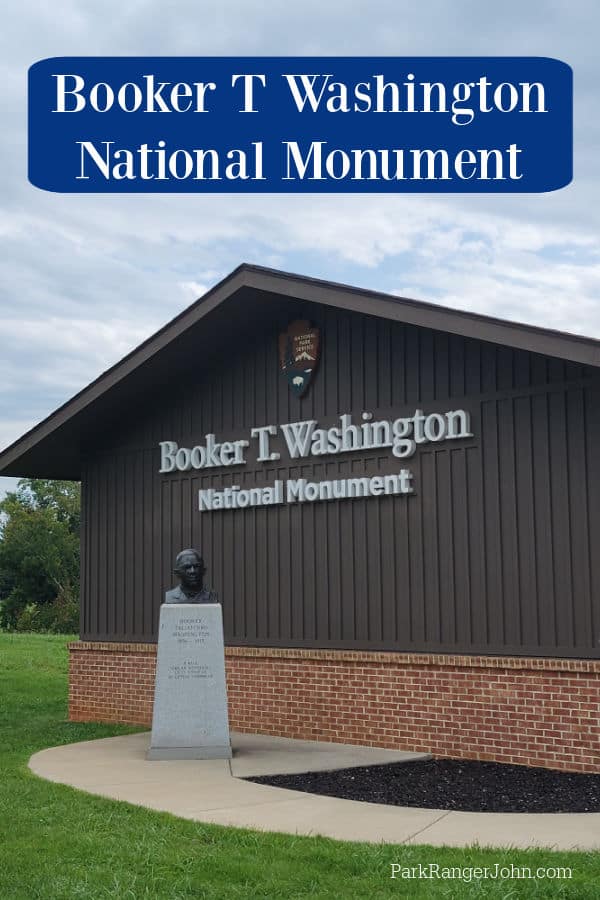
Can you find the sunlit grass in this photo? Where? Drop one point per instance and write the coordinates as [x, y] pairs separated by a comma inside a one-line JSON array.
[[56, 842]]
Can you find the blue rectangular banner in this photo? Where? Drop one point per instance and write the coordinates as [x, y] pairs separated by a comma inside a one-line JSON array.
[[300, 124]]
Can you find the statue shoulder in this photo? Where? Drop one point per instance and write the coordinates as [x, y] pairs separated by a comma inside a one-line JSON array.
[[173, 596]]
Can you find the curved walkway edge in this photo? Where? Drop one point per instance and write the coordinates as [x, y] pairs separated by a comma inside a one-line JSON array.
[[213, 791]]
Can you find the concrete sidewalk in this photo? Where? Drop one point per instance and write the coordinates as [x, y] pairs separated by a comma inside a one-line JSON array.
[[212, 791]]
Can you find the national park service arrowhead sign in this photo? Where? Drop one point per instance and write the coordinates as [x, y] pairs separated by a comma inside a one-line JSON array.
[[299, 354]]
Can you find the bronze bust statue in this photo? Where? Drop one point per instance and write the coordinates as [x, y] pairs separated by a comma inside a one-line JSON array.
[[190, 569]]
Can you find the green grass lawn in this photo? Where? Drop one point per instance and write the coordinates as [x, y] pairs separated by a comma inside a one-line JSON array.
[[56, 842]]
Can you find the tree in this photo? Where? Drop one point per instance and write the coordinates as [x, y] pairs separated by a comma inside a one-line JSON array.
[[39, 553]]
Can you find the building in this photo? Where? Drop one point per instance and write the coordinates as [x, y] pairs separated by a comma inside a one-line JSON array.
[[398, 503]]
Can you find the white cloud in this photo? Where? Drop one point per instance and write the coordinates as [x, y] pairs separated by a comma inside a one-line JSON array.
[[192, 290], [7, 484]]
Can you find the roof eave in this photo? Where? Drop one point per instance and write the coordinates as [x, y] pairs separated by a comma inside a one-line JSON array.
[[585, 351]]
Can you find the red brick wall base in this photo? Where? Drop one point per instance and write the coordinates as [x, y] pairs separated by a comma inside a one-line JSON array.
[[539, 712]]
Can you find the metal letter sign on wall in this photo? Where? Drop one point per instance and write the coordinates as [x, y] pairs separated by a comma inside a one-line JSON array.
[[299, 354]]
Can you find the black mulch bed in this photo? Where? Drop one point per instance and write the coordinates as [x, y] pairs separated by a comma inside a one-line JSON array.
[[453, 784]]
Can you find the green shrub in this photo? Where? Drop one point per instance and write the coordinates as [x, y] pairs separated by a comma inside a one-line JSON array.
[[28, 619], [66, 612], [11, 608], [59, 617], [39, 556]]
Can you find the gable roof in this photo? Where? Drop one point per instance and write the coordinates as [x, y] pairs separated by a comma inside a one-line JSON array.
[[52, 448]]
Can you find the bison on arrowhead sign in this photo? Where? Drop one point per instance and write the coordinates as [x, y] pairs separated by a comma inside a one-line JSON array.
[[299, 354]]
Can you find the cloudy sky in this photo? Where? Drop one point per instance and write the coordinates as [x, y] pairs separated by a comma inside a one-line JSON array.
[[85, 278]]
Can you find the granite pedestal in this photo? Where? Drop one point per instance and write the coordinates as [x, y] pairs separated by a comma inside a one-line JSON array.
[[190, 701]]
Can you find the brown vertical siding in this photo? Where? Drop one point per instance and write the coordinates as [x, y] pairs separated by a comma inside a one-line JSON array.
[[495, 552]]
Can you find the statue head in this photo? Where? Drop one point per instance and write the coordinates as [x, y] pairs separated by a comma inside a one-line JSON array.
[[190, 569]]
